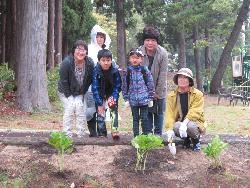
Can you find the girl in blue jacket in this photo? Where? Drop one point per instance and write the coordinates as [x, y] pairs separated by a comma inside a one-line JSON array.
[[138, 91]]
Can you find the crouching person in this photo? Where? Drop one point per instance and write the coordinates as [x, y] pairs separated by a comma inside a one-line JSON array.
[[75, 78], [185, 110], [106, 87]]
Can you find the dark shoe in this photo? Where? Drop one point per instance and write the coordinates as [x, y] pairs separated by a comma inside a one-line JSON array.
[[92, 130], [197, 147], [187, 143], [196, 144], [102, 131], [101, 127], [101, 135]]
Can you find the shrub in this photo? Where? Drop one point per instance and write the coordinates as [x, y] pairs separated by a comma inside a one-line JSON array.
[[62, 143], [6, 74], [214, 149], [143, 144], [53, 77], [7, 77]]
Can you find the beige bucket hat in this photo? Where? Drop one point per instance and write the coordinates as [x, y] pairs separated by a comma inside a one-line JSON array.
[[186, 72]]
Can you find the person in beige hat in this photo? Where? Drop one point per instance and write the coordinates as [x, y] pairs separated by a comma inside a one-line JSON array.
[[185, 110]]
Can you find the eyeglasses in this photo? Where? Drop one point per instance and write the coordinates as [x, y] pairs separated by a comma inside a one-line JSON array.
[[80, 49]]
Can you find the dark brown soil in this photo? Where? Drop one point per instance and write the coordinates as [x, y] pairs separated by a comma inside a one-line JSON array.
[[114, 166]]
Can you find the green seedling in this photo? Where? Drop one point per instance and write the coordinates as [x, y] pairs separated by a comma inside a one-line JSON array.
[[62, 143], [143, 144], [214, 149]]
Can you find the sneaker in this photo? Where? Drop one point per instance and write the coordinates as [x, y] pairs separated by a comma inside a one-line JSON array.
[[115, 135], [81, 134], [197, 147], [102, 134], [70, 135], [187, 143]]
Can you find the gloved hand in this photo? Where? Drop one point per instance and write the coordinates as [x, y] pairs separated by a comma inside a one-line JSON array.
[[78, 100], [172, 148], [150, 104], [183, 130], [170, 134], [71, 100], [126, 104], [111, 102]]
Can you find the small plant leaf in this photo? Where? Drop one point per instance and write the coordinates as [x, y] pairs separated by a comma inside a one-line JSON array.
[[143, 144], [60, 141], [214, 149]]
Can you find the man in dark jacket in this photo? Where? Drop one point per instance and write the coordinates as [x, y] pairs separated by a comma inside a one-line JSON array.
[[106, 87], [76, 72]]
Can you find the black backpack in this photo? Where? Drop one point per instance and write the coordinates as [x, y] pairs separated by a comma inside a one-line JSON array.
[[143, 71]]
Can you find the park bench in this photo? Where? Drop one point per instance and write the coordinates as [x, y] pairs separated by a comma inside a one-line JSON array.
[[246, 98], [224, 93], [236, 95]]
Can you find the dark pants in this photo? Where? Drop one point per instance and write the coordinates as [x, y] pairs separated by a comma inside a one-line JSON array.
[[140, 113], [101, 125], [156, 116], [92, 126]]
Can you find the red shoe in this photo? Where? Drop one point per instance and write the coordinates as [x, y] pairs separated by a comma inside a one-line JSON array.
[[115, 135]]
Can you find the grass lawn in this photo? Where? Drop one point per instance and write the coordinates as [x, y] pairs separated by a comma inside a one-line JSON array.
[[228, 119], [221, 118]]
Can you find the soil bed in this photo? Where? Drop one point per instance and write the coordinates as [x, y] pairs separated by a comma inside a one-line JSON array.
[[113, 166]]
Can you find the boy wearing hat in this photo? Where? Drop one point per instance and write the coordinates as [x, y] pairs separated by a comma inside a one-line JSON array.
[[185, 110], [156, 59], [138, 91]]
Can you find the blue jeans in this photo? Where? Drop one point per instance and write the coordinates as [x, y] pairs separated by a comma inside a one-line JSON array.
[[140, 113], [156, 116]]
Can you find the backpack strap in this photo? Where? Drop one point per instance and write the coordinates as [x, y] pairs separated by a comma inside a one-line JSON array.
[[128, 78], [143, 71]]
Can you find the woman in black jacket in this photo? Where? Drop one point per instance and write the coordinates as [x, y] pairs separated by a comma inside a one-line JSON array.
[[76, 72]]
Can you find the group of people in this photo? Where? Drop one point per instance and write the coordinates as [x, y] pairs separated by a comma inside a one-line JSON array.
[[90, 83]]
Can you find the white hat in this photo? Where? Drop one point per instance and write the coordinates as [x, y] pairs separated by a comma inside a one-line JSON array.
[[186, 72]]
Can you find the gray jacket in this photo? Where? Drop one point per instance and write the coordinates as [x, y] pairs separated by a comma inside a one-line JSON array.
[[159, 70]]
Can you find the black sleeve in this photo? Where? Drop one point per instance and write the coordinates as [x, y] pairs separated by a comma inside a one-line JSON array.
[[64, 77]]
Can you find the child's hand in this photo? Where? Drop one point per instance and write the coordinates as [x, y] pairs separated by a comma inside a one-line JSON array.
[[111, 102], [150, 104], [101, 110], [126, 104]]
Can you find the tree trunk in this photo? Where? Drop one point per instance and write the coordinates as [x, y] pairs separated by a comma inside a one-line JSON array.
[[207, 54], [65, 47], [225, 57], [32, 23], [121, 37], [197, 59], [182, 49], [3, 31], [58, 31], [50, 44]]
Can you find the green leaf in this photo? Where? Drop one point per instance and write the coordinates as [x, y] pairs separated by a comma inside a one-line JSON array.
[[214, 149], [60, 141], [143, 144]]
